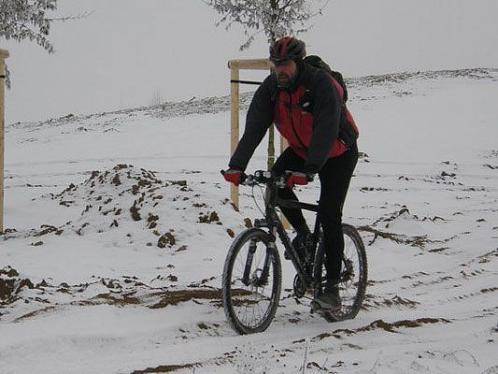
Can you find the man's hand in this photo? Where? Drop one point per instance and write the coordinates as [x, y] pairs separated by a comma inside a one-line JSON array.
[[298, 178], [233, 176]]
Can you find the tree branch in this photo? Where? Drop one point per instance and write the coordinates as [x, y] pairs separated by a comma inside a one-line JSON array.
[[72, 18]]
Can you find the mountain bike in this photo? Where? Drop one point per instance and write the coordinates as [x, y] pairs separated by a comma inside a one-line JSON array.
[[252, 273]]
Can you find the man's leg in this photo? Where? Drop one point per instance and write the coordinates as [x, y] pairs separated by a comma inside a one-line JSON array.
[[289, 160], [335, 177]]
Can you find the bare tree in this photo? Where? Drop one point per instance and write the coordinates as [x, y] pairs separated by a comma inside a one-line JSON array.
[[29, 20], [276, 18]]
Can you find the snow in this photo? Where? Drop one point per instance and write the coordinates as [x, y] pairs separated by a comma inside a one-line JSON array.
[[85, 288]]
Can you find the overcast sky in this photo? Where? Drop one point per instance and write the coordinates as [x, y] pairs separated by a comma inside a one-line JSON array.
[[129, 52]]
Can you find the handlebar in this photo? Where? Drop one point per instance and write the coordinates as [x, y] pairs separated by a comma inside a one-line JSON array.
[[263, 176], [266, 177]]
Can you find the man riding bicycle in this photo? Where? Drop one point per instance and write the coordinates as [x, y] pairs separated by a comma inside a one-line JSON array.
[[308, 108]]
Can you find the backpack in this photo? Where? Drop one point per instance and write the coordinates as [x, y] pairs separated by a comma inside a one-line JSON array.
[[348, 131], [318, 63]]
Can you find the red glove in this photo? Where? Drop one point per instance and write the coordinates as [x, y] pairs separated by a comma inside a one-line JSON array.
[[295, 177], [233, 176]]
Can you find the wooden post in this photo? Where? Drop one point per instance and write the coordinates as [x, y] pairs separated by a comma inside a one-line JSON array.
[[3, 55], [235, 93], [235, 66], [251, 64]]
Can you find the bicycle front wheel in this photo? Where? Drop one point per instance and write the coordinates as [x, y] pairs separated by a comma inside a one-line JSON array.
[[252, 278]]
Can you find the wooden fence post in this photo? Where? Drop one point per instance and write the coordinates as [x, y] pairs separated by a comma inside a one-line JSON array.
[[3, 55], [235, 67], [234, 122]]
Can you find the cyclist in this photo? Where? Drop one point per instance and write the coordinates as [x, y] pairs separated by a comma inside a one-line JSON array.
[[307, 106]]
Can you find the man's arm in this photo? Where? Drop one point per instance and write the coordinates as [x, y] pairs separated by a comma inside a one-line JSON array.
[[258, 120], [326, 119]]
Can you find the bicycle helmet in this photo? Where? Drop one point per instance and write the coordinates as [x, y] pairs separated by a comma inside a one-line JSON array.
[[287, 48]]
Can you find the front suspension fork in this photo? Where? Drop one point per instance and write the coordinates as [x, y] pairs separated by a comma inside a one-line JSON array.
[[263, 278]]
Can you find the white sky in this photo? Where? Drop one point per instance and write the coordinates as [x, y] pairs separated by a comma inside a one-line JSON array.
[[129, 51]]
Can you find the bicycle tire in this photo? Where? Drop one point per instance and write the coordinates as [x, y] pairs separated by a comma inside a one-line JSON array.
[[351, 236], [230, 283]]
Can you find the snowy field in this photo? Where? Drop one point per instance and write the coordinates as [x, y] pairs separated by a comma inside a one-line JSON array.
[[117, 226]]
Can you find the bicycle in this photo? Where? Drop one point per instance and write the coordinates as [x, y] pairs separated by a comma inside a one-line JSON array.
[[252, 273]]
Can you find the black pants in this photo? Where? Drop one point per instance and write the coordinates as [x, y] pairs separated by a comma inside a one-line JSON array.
[[335, 176]]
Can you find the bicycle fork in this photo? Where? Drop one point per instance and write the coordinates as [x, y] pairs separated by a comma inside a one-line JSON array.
[[255, 280]]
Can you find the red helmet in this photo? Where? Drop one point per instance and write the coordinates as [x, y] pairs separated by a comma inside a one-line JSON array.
[[287, 48]]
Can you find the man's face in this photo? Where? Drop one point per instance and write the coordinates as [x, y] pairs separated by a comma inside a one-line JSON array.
[[285, 72]]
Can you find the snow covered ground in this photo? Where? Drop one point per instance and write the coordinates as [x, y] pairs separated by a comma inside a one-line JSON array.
[[117, 226]]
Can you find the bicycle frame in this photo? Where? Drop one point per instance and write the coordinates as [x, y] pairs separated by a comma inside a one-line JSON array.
[[276, 227]]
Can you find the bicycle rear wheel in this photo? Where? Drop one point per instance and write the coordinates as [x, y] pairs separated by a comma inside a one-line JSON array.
[[251, 283], [354, 273]]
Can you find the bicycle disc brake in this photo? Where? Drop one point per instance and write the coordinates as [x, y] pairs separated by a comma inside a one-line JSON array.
[[299, 288], [349, 273]]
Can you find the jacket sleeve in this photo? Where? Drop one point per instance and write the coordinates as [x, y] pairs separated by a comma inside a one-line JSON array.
[[326, 119], [258, 120]]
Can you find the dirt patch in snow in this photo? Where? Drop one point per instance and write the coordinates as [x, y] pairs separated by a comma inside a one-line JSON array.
[[128, 199], [392, 227], [166, 368], [380, 324], [11, 285], [372, 302], [169, 298]]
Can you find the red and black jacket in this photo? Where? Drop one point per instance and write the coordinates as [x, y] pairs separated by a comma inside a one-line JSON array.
[[311, 115]]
